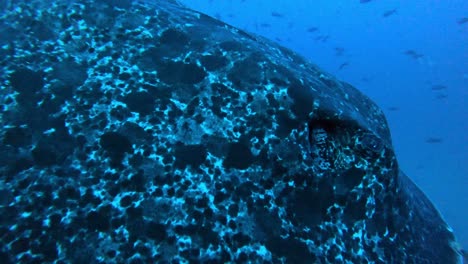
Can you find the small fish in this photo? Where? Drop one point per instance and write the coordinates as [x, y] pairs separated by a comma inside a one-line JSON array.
[[441, 96], [413, 54], [322, 38], [265, 25], [389, 12], [393, 108], [339, 51], [434, 140], [438, 87], [312, 29], [277, 14], [344, 64], [364, 1], [365, 79], [462, 20]]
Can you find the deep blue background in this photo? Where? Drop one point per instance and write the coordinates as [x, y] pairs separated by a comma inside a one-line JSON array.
[[373, 46]]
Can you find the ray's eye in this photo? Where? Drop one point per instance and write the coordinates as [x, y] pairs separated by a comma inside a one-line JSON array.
[[320, 131], [322, 137], [318, 136]]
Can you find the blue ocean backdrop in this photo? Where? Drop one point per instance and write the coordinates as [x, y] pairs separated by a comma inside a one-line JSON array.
[[410, 57]]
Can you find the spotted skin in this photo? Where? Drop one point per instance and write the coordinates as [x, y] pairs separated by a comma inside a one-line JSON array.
[[147, 132]]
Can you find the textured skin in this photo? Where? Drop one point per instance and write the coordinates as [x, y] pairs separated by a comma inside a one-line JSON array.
[[136, 132]]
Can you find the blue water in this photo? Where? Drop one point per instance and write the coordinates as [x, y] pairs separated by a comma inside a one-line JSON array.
[[411, 57]]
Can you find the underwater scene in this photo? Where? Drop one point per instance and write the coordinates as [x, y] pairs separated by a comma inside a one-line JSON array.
[[223, 131]]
